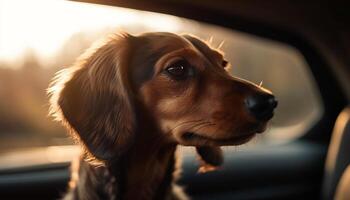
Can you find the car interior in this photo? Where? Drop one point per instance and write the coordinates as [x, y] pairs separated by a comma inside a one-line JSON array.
[[306, 152]]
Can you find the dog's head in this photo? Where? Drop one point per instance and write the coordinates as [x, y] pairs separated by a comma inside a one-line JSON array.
[[179, 83]]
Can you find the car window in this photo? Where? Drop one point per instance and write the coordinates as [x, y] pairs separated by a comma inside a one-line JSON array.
[[54, 33]]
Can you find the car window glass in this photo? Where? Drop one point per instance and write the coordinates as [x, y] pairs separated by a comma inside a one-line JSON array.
[[54, 33]]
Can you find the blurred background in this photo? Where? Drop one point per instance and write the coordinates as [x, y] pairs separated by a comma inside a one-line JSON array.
[[38, 38]]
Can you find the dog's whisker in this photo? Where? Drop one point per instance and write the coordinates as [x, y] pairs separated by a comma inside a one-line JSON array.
[[221, 44], [210, 41], [261, 83], [182, 124], [202, 126], [195, 127]]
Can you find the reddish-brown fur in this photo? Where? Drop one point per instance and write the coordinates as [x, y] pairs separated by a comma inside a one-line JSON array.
[[130, 115]]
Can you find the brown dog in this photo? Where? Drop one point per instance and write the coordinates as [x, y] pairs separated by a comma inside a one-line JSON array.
[[133, 99]]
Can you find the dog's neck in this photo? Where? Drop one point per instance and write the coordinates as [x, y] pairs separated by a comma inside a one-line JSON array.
[[149, 164], [145, 172], [148, 170]]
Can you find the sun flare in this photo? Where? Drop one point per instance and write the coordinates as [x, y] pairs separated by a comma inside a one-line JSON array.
[[44, 25]]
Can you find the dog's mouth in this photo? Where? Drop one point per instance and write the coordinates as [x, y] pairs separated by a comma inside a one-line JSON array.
[[193, 138], [190, 138]]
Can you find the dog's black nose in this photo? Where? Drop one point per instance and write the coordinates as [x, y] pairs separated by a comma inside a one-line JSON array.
[[261, 105]]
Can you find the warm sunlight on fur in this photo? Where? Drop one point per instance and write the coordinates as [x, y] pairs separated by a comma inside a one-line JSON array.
[[130, 101]]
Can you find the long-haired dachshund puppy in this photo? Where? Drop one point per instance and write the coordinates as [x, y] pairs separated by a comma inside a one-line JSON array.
[[132, 99]]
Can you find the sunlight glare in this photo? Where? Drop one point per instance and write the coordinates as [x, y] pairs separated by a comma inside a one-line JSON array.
[[44, 25]]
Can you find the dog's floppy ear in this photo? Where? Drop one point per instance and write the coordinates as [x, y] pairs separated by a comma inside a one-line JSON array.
[[92, 99]]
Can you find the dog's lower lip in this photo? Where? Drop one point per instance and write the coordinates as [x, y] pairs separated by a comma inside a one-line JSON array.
[[191, 136], [261, 128]]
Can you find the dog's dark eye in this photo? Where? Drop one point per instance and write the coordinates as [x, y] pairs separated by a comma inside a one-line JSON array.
[[180, 70]]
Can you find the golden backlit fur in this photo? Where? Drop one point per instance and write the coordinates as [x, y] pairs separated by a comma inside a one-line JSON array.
[[121, 103]]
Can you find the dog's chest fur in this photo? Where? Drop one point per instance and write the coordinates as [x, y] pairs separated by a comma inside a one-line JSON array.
[[134, 177]]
